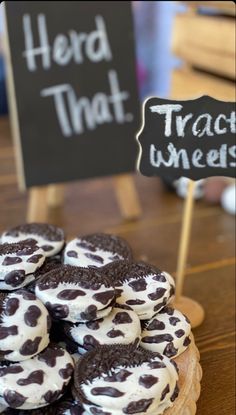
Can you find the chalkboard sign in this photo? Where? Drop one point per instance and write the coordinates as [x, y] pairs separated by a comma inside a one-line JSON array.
[[194, 139], [74, 83]]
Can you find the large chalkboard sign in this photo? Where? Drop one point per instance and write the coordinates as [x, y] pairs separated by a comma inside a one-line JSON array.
[[194, 139], [74, 82]]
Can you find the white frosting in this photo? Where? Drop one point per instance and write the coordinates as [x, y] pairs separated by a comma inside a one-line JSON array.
[[41, 241], [25, 332], [81, 260], [52, 380], [164, 320], [28, 267], [134, 391], [79, 304], [130, 331], [146, 310]]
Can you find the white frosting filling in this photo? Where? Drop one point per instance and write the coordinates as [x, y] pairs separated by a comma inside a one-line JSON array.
[[174, 325], [41, 241], [133, 390], [82, 260], [146, 310], [79, 304], [52, 381], [25, 332], [129, 331]]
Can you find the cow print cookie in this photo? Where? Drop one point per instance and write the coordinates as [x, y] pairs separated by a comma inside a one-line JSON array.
[[141, 286], [24, 326], [96, 250], [49, 238], [167, 333], [18, 262], [119, 327], [115, 380], [36, 382], [75, 294]]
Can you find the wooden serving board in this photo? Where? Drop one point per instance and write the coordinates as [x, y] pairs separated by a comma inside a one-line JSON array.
[[190, 374]]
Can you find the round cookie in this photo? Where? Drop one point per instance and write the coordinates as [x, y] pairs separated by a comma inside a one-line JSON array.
[[18, 262], [51, 239], [38, 381], [119, 327], [167, 333], [125, 380], [96, 250], [75, 294], [141, 286], [24, 325]]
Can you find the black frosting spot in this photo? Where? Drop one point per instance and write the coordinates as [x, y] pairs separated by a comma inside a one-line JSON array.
[[170, 350], [159, 293], [50, 354], [135, 407], [11, 306], [15, 278], [14, 399], [57, 311], [34, 377], [147, 381], [138, 285], [107, 391], [32, 315], [30, 347]]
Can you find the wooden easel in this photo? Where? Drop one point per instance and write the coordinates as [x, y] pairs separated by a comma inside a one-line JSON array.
[[41, 199]]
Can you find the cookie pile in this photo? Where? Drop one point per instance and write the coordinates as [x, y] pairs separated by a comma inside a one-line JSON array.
[[85, 307]]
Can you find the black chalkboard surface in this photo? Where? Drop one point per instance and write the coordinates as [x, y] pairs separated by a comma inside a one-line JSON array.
[[77, 107], [194, 138]]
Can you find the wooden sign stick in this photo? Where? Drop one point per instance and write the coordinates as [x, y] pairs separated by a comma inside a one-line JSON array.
[[191, 308], [184, 239]]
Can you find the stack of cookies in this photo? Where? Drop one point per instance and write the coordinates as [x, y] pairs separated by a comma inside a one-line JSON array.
[[84, 328]]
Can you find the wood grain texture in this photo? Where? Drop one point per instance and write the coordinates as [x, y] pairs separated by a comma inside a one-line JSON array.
[[206, 41], [188, 83], [91, 206], [223, 7]]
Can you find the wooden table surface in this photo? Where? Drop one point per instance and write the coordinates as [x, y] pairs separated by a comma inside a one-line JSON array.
[[91, 206]]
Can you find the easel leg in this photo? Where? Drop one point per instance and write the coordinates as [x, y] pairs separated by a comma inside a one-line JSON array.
[[37, 204], [189, 307], [55, 195], [127, 197]]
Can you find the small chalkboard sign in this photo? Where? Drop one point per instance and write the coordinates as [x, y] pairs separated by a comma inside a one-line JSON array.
[[74, 88], [194, 139]]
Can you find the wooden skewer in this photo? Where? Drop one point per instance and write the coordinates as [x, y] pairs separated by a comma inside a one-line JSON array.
[[184, 239]]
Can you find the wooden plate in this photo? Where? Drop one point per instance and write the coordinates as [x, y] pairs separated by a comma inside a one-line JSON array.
[[190, 374]]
